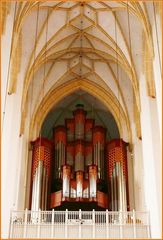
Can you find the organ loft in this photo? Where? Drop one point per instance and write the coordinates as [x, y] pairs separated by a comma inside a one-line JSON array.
[[79, 168]]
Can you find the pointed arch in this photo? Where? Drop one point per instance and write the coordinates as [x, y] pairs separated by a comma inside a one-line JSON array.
[[105, 96]]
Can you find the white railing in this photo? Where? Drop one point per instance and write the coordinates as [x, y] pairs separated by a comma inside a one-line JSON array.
[[79, 224]]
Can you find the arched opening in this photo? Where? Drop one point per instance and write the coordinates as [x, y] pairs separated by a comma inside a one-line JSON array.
[[104, 95], [94, 108]]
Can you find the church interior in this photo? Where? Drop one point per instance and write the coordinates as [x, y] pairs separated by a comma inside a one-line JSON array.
[[81, 119]]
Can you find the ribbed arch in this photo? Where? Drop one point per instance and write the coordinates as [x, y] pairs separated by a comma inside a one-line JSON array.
[[104, 96]]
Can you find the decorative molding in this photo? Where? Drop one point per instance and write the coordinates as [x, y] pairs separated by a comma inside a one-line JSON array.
[[148, 69], [15, 62], [5, 10]]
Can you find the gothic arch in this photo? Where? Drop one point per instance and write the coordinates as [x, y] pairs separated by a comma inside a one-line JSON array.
[[104, 95]]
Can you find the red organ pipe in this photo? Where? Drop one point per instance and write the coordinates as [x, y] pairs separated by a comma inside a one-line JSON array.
[[79, 116], [98, 149], [86, 188], [60, 134], [73, 188], [70, 154], [70, 126], [88, 157], [92, 181], [79, 156], [60, 149], [89, 124], [79, 184], [66, 181], [98, 135], [88, 154]]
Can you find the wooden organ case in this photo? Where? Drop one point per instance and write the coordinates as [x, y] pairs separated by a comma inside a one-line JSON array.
[[85, 169]]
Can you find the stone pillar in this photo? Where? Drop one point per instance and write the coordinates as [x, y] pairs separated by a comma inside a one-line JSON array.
[[152, 160]]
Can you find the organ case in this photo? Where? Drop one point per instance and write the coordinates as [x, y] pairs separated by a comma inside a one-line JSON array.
[[83, 165]]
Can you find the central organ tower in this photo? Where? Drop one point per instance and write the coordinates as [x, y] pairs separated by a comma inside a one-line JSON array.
[[79, 168]]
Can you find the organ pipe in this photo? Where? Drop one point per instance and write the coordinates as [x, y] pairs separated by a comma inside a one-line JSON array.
[[43, 189], [33, 191], [66, 181], [79, 156], [98, 149], [38, 185], [70, 154], [112, 193], [86, 189], [79, 117], [79, 184], [70, 127], [89, 124], [46, 190], [93, 180], [88, 157], [60, 147], [73, 189]]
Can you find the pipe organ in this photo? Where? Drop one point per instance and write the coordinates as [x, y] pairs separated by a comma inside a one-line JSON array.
[[81, 166]]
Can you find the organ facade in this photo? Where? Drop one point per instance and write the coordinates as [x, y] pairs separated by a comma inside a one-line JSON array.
[[79, 167]]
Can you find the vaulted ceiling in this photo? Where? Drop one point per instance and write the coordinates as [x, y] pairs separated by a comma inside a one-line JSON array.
[[87, 43]]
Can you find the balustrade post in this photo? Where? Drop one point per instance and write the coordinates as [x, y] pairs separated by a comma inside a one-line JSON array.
[[107, 224], [52, 224], [25, 223], [80, 218], [39, 222], [66, 223], [134, 223], [121, 223], [93, 220]]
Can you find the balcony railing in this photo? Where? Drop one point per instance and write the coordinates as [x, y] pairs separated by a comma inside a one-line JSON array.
[[79, 224]]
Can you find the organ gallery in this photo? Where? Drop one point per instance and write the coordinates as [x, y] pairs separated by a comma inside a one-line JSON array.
[[79, 168]]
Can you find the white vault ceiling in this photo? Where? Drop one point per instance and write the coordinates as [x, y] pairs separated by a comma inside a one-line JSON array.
[[97, 41]]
